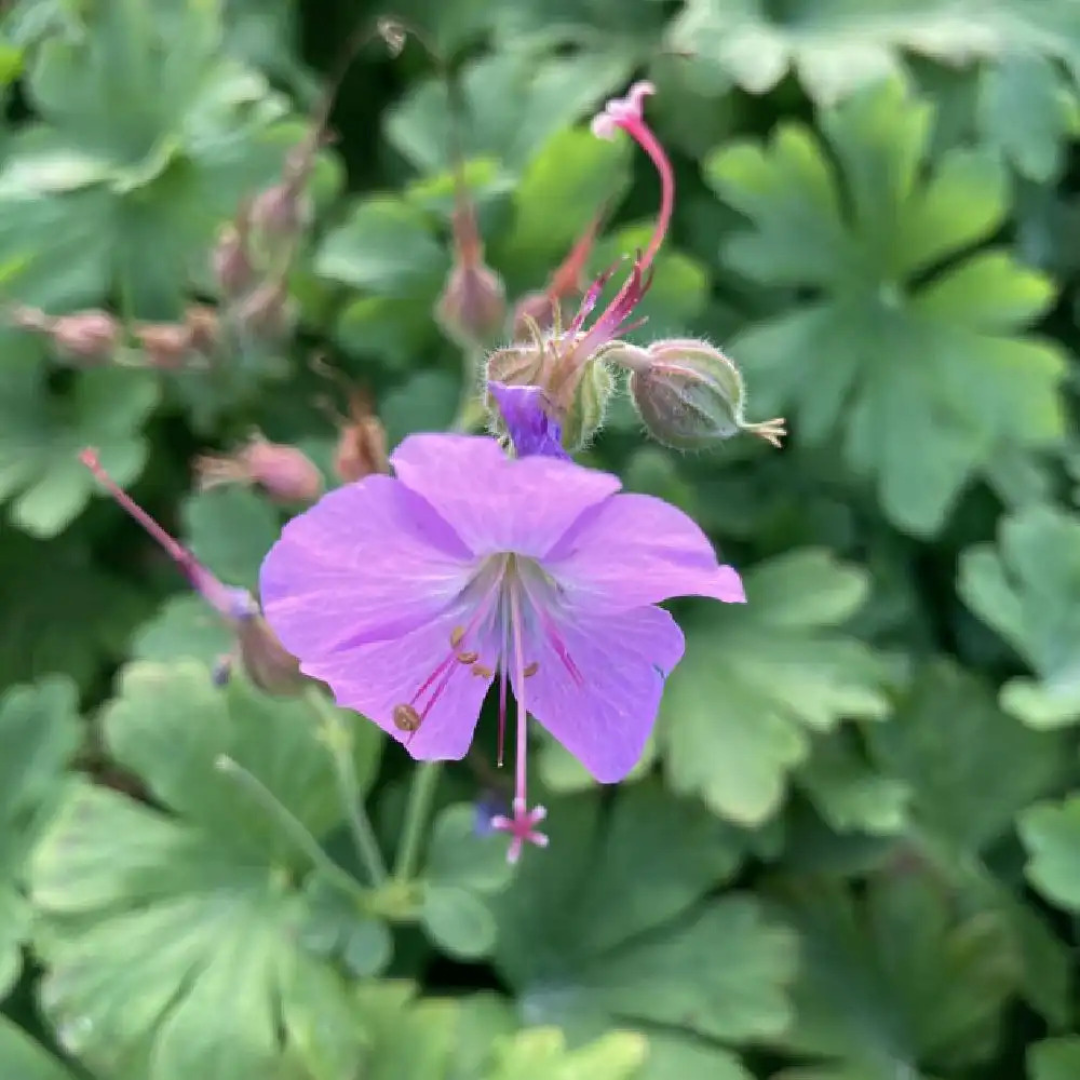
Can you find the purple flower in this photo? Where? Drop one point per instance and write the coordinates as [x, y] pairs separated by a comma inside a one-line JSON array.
[[529, 420], [409, 595]]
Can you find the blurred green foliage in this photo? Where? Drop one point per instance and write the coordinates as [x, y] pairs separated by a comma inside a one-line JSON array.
[[852, 851]]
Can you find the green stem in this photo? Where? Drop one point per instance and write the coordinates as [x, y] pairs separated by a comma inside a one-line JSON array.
[[421, 793], [289, 824], [338, 739]]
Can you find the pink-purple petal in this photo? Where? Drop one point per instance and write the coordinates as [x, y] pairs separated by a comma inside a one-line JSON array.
[[634, 550], [374, 678], [604, 713], [368, 561], [495, 503]]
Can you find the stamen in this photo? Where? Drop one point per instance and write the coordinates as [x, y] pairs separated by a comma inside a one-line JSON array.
[[468, 657], [551, 632], [483, 671], [531, 669], [406, 718], [456, 636]]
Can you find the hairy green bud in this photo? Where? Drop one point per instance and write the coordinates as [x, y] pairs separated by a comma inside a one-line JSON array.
[[689, 395]]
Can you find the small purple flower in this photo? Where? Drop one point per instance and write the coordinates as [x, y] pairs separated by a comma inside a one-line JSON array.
[[410, 595]]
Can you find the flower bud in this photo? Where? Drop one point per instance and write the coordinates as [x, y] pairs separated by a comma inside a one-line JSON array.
[[689, 395], [167, 345], [536, 309], [231, 266], [267, 313], [586, 415], [85, 336], [472, 307], [523, 364], [285, 473], [276, 212]]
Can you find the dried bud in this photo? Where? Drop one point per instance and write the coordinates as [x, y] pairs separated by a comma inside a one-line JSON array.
[[689, 394], [84, 336], [285, 473], [167, 345], [361, 449], [394, 35], [586, 415], [265, 660], [203, 327], [232, 267]]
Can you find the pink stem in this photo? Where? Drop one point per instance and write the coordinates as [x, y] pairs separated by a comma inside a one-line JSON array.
[[642, 133], [232, 603]]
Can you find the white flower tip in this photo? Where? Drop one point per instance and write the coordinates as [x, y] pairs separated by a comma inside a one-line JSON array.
[[619, 112]]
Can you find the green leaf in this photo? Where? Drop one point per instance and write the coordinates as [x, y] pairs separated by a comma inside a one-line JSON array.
[[162, 134], [1051, 834], [878, 356], [849, 794], [23, 1059], [230, 530], [461, 869], [184, 628], [575, 172], [946, 738], [515, 102], [541, 1054], [1054, 1059], [42, 432], [386, 247], [1028, 589], [62, 613], [40, 732], [837, 47], [757, 680], [612, 932], [403, 1037], [900, 982], [1026, 109], [171, 935]]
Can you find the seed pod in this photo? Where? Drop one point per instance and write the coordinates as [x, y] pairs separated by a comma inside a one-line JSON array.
[[689, 395]]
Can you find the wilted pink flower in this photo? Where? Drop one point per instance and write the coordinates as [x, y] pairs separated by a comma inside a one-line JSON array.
[[409, 595]]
